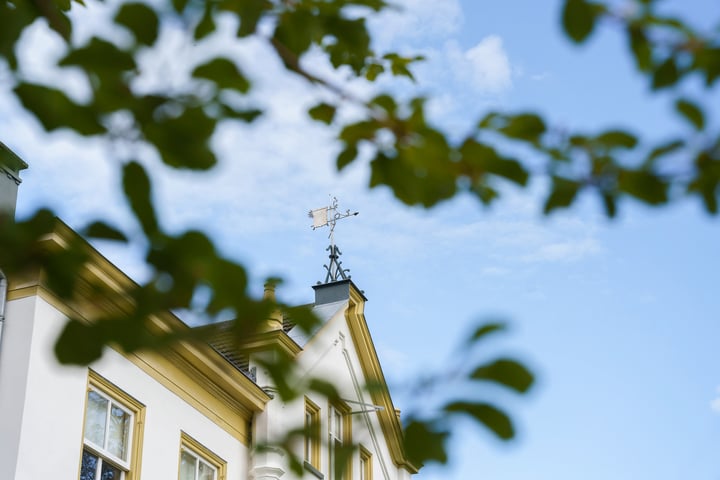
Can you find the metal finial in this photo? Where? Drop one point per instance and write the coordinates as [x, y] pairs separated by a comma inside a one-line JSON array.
[[328, 216]]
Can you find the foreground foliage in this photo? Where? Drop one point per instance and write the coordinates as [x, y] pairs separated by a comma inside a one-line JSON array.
[[419, 162]]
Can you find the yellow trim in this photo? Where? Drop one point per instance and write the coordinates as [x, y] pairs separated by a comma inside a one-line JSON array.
[[344, 411], [274, 339], [194, 372], [366, 463], [372, 371], [136, 408], [186, 441], [312, 433]]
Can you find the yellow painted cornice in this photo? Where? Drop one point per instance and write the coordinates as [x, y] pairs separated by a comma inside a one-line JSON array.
[[192, 370], [272, 340], [389, 420]]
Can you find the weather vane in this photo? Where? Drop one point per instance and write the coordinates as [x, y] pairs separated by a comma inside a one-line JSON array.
[[328, 216]]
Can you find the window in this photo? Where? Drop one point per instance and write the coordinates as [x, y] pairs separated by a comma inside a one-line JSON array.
[[312, 434], [365, 464], [112, 432], [340, 442], [197, 462]]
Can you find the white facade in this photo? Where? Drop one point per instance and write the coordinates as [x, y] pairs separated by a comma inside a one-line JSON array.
[[331, 355], [190, 398], [43, 406]]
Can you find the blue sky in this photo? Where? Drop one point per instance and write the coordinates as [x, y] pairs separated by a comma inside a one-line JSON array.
[[618, 318]]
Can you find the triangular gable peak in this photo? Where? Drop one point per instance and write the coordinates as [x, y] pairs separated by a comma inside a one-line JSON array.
[[342, 302]]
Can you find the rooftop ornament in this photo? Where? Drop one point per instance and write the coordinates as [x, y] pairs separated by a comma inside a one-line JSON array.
[[328, 216]]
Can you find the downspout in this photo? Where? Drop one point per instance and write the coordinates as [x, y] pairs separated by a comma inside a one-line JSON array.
[[3, 300]]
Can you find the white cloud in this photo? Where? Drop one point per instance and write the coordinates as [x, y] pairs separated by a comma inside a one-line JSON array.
[[564, 251], [489, 66], [495, 271], [715, 403], [272, 171], [416, 21], [454, 73]]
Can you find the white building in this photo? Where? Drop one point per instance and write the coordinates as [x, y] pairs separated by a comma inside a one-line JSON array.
[[194, 411]]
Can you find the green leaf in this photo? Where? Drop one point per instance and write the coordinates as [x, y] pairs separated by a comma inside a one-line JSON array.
[[101, 57], [137, 188], [249, 12], [179, 5], [13, 21], [526, 126], [224, 73], [617, 138], [399, 64], [57, 19], [484, 192], [662, 150], [640, 47], [55, 110], [206, 25], [183, 141], [387, 103], [324, 388], [63, 269], [346, 157], [79, 344], [578, 19], [486, 329], [350, 44], [507, 372], [245, 115], [424, 442], [666, 74], [710, 201], [562, 195], [365, 130], [691, 112], [488, 120], [481, 159], [609, 203], [707, 180], [104, 231], [141, 20], [373, 71], [323, 112], [708, 60], [488, 415], [643, 185], [297, 30]]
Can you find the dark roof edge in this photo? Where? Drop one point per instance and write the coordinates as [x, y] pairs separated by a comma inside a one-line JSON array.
[[11, 160]]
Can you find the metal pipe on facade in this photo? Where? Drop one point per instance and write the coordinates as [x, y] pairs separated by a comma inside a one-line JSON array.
[[3, 301]]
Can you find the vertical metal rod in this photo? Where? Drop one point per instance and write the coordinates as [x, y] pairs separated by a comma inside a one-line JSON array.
[[3, 301]]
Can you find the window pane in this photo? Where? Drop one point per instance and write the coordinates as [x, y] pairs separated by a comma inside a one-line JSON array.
[[118, 434], [88, 467], [95, 415], [206, 472], [187, 466], [337, 427], [109, 472]]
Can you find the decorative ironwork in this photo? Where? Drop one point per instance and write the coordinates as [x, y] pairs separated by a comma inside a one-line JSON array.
[[328, 216]]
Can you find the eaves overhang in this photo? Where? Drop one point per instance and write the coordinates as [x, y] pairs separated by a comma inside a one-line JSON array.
[[380, 394], [193, 370]]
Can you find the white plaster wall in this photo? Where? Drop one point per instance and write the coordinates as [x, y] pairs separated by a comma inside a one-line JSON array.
[[51, 437], [331, 356], [14, 365], [165, 416]]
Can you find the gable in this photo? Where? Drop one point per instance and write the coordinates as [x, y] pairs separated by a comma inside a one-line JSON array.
[[345, 326]]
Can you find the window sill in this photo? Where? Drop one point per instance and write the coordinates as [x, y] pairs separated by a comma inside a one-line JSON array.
[[313, 470]]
